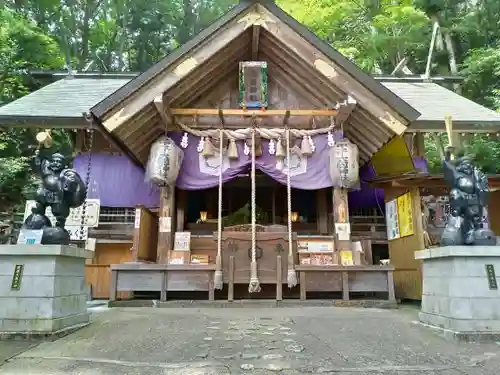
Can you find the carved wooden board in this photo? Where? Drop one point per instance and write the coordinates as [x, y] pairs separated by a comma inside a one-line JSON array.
[[269, 246]]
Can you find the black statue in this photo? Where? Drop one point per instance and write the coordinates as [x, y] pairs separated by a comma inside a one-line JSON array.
[[61, 189], [468, 197]]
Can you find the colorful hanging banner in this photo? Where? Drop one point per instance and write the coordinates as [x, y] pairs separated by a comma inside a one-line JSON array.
[[405, 215], [393, 159]]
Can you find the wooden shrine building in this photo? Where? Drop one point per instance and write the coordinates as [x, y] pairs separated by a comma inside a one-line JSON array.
[[259, 115]]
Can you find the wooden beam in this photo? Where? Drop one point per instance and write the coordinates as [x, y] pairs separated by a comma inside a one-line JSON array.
[[340, 216], [286, 118], [303, 74], [221, 118], [401, 65], [166, 224], [255, 42], [453, 135], [333, 73], [182, 196], [163, 110], [345, 109], [139, 122], [322, 211], [288, 84], [252, 113], [95, 123], [176, 72], [226, 61], [419, 144], [235, 122]]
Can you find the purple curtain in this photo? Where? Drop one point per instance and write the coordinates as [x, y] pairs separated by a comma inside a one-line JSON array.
[[317, 175], [116, 181], [369, 197]]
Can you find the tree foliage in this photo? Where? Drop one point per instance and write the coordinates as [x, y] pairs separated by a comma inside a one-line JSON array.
[[23, 47]]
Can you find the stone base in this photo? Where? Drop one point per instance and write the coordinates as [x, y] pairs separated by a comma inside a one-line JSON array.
[[44, 335], [256, 303], [456, 295], [52, 294], [433, 321]]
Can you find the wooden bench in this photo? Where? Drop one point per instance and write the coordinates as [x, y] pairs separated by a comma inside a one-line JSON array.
[[324, 278], [162, 278]]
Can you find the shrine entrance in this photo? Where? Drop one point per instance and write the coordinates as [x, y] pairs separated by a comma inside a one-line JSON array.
[[271, 230]]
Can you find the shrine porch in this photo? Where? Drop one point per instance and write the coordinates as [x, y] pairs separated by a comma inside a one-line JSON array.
[[196, 281]]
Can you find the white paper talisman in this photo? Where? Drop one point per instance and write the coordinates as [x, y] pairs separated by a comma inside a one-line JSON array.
[[137, 221], [165, 224]]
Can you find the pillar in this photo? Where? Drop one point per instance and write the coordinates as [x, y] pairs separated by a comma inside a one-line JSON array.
[[166, 224]]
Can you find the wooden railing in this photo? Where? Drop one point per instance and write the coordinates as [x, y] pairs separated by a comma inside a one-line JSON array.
[[115, 224]]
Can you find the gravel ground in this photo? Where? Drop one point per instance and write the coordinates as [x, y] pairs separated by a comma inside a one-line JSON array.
[[286, 341]]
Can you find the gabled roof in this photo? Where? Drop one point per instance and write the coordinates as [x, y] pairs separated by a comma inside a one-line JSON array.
[[101, 108], [369, 82], [297, 61], [61, 103], [435, 102]]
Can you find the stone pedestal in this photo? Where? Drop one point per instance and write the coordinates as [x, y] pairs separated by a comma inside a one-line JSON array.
[[459, 295], [50, 295]]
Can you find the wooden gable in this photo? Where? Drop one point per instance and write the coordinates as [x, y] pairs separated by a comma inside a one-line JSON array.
[[298, 66]]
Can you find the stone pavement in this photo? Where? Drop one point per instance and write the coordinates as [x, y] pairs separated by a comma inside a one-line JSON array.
[[258, 341]]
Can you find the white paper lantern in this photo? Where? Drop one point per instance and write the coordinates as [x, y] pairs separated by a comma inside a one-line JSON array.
[[165, 159], [344, 164]]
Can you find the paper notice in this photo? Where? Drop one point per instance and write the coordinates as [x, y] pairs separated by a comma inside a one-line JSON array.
[[343, 231], [182, 241], [346, 258], [137, 221], [165, 224]]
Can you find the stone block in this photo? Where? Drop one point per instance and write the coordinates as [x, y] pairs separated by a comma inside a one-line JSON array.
[[456, 295], [436, 286], [52, 293]]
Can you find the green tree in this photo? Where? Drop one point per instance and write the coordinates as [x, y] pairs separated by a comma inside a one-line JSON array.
[[23, 47]]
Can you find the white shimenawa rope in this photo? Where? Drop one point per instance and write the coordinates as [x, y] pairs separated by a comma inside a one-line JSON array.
[[218, 279], [292, 276], [244, 134], [254, 285]]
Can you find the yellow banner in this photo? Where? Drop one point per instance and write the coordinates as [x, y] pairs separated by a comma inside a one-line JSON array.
[[393, 159], [405, 215]]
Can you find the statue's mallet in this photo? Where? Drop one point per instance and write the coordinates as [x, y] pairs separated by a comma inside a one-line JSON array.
[[453, 140], [44, 138]]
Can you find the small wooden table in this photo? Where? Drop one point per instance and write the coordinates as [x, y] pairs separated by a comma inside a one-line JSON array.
[[324, 278], [162, 278]]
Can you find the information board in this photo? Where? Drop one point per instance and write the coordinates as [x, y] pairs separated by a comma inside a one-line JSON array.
[[74, 221], [391, 217], [75, 214]]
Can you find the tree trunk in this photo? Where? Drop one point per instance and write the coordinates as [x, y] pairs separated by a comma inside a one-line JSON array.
[[439, 37], [452, 60]]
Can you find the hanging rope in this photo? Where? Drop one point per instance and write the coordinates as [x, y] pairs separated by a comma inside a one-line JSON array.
[[243, 134], [292, 276], [218, 280], [254, 285], [90, 140]]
